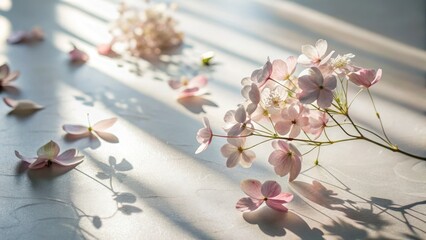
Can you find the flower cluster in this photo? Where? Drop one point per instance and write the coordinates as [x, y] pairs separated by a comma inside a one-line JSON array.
[[286, 108], [146, 32]]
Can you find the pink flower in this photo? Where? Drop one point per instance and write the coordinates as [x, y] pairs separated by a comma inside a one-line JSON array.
[[269, 192], [286, 159], [36, 34], [78, 56], [189, 87], [293, 120], [261, 76], [242, 123], [317, 124], [106, 49], [6, 76], [365, 77], [315, 87], [48, 154], [236, 153], [315, 55], [99, 128], [204, 136], [252, 94], [282, 70]]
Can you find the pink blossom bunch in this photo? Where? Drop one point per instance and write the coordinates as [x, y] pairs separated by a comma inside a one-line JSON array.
[[294, 101], [148, 31]]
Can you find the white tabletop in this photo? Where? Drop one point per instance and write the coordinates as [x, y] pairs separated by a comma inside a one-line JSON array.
[[151, 185]]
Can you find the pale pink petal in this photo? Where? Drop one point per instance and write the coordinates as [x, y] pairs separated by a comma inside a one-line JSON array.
[[67, 155], [254, 94], [48, 151], [235, 130], [285, 166], [325, 98], [36, 34], [11, 77], [245, 91], [198, 81], [229, 116], [227, 149], [307, 97], [240, 114], [295, 131], [275, 158], [303, 59], [202, 147], [248, 157], [108, 137], [283, 145], [75, 129], [377, 77], [270, 189], [278, 206], [237, 142], [204, 135], [69, 162], [206, 122], [330, 82], [38, 163], [248, 204], [326, 58], [25, 159], [189, 92], [279, 70], [105, 49], [291, 64], [17, 37], [321, 46], [283, 127], [296, 166], [104, 124], [310, 52], [174, 84], [22, 105], [233, 159], [295, 150], [282, 198], [77, 55], [4, 71], [252, 187]]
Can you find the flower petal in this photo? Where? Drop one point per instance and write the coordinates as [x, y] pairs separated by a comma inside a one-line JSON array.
[[252, 187], [248, 204], [227, 150], [108, 137], [104, 124], [321, 46], [48, 151], [11, 77], [75, 129], [67, 155], [276, 205], [282, 197], [248, 157], [310, 52], [189, 92], [198, 81], [296, 166], [4, 71], [22, 105], [291, 64], [174, 84], [270, 189], [78, 56], [38, 163], [25, 159], [17, 37], [240, 114], [325, 98], [283, 127], [233, 159]]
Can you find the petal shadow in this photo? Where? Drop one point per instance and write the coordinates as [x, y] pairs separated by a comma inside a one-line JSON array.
[[274, 223], [195, 104]]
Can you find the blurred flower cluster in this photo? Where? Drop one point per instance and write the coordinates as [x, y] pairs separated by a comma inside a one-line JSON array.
[[288, 110], [146, 31]]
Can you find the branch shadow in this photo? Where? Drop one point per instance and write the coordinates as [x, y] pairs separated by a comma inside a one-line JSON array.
[[275, 224]]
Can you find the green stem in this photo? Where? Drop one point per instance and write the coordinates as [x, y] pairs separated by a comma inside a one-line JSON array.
[[378, 116]]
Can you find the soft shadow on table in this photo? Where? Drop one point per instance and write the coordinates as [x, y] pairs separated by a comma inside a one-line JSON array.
[[23, 115], [195, 104], [371, 217], [275, 224]]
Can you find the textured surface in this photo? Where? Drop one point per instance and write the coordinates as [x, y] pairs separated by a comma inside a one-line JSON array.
[[151, 185]]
